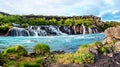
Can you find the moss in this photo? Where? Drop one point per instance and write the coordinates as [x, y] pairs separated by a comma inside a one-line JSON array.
[[14, 51], [41, 49], [84, 58], [82, 55], [39, 60], [83, 49], [4, 28], [24, 25], [11, 64], [97, 43], [103, 50]]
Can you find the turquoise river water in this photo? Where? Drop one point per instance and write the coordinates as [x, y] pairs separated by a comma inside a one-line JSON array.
[[67, 43]]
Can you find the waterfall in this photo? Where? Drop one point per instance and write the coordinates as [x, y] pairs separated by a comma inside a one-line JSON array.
[[42, 30], [60, 31], [47, 30], [15, 31], [90, 30], [84, 30], [74, 29]]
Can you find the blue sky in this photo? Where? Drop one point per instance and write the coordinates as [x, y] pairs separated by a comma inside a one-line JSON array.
[[107, 9]]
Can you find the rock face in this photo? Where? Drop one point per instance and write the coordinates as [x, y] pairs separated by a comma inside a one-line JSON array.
[[113, 32], [113, 37]]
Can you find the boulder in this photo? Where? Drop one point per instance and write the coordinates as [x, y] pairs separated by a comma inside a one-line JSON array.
[[109, 40], [117, 46], [113, 32]]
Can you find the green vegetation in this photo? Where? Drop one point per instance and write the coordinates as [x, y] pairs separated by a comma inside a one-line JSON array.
[[5, 27], [43, 21], [17, 56], [84, 54], [14, 51], [41, 49], [110, 24]]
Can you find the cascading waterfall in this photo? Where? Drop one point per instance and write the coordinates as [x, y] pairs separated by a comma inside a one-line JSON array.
[[84, 30], [90, 30], [74, 29], [18, 32], [47, 30]]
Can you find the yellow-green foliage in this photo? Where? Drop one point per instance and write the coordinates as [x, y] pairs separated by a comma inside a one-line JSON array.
[[20, 64], [14, 51], [82, 55], [97, 43], [41, 49], [5, 27], [64, 58], [25, 62], [83, 49]]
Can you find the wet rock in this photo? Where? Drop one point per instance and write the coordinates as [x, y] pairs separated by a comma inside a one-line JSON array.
[[32, 54], [58, 52]]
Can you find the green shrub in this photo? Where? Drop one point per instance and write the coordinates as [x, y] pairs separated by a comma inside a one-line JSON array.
[[83, 48], [4, 28], [103, 50], [10, 64], [41, 49], [31, 65], [26, 64], [84, 58], [24, 25], [97, 43], [39, 60], [14, 51]]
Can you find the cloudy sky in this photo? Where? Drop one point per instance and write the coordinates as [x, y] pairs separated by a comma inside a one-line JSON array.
[[107, 9]]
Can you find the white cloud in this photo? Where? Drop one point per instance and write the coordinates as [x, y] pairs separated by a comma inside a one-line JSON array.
[[60, 7]]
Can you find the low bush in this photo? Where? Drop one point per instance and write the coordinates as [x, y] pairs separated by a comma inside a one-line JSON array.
[[41, 49], [103, 50], [4, 28], [10, 64], [97, 43], [24, 25], [84, 58], [14, 51]]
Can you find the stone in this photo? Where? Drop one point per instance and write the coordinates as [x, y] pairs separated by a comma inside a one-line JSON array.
[[110, 55], [113, 32], [94, 50], [117, 46], [109, 40]]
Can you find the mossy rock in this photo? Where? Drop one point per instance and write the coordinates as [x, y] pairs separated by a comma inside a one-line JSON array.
[[103, 50], [10, 64], [83, 48], [14, 52], [41, 49], [97, 43], [25, 64], [82, 58]]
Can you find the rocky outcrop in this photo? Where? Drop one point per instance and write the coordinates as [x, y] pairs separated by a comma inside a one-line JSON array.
[[113, 37], [113, 32]]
